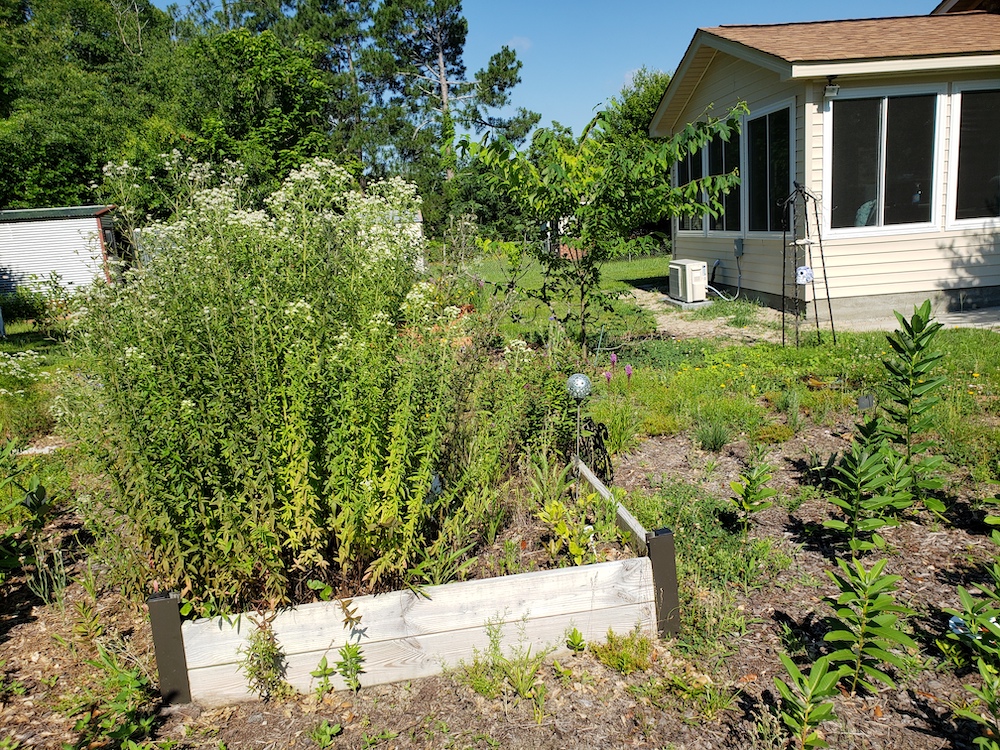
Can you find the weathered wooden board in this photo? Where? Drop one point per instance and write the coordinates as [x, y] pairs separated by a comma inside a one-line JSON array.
[[405, 636], [627, 523]]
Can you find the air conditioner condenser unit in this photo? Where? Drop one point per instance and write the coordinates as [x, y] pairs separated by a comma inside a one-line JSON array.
[[688, 280]]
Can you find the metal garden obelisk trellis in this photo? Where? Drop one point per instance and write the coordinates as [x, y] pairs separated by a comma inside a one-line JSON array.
[[797, 260]]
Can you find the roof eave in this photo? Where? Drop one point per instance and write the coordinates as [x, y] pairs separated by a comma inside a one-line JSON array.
[[823, 69], [695, 63]]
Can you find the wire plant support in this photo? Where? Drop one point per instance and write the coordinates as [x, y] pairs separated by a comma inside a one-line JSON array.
[[799, 237]]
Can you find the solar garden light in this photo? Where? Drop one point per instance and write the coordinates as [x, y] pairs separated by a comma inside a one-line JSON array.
[[578, 387]]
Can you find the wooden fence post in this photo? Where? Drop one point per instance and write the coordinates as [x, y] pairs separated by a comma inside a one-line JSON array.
[[168, 643]]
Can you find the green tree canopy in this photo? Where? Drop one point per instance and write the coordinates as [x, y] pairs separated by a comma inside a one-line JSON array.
[[597, 188]]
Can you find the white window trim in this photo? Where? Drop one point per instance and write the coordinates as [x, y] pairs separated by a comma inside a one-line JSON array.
[[939, 90], [744, 230], [745, 120], [956, 121]]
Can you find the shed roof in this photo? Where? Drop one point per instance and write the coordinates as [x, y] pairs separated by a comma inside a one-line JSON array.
[[41, 214]]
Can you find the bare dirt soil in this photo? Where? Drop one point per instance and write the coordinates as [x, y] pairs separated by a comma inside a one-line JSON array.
[[46, 651]]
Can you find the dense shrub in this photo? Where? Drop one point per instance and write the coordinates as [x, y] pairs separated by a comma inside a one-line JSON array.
[[283, 403], [23, 304]]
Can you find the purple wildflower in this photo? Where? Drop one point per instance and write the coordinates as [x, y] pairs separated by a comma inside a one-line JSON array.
[[614, 359], [628, 372], [607, 376]]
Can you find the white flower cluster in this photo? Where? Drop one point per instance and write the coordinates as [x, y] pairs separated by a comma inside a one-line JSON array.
[[420, 301], [22, 366], [299, 310], [517, 352]]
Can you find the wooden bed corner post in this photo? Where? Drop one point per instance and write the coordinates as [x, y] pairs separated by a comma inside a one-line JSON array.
[[168, 643], [662, 557]]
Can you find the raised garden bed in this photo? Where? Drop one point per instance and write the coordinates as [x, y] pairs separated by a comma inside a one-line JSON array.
[[406, 635]]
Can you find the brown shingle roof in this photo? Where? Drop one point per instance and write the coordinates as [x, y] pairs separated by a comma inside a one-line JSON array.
[[874, 38]]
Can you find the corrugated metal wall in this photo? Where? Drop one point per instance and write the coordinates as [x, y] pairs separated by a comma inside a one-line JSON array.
[[70, 247]]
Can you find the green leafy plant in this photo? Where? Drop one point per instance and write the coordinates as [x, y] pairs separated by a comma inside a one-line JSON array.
[[351, 664], [492, 671], [437, 566], [978, 633], [986, 712], [324, 733], [712, 434], [912, 389], [626, 653], [565, 532], [867, 624], [597, 187], [9, 687], [575, 641], [24, 511], [804, 701], [286, 401], [323, 673], [870, 491], [751, 493], [262, 662], [549, 482], [122, 711]]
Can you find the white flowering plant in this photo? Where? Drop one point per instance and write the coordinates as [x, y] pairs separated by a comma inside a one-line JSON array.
[[277, 395]]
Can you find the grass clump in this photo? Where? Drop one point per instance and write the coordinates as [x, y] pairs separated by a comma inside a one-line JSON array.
[[626, 653]]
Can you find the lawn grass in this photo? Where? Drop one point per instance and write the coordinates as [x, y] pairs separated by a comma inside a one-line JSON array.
[[29, 360], [530, 318]]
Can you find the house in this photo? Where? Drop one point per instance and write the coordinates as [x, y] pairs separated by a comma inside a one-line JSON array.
[[74, 242], [887, 124]]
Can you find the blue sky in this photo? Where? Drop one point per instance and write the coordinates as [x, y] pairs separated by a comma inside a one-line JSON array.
[[577, 55]]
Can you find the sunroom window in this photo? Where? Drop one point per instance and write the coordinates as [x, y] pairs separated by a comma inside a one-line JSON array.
[[883, 160], [688, 169], [767, 180], [723, 158], [978, 194]]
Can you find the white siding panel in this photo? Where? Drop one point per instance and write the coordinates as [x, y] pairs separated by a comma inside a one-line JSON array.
[[70, 247], [896, 264]]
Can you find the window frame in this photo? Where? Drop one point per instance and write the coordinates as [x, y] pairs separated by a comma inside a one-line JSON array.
[[951, 206], [939, 91], [744, 204]]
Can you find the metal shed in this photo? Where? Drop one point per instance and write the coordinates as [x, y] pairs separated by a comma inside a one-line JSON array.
[[74, 242]]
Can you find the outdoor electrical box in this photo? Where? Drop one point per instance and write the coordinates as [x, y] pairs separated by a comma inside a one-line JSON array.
[[688, 280]]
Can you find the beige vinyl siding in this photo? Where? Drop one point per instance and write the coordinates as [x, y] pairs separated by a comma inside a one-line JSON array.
[[69, 247], [896, 264], [813, 136], [726, 82]]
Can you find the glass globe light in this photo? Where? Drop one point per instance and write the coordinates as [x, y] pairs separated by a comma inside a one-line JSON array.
[[578, 386]]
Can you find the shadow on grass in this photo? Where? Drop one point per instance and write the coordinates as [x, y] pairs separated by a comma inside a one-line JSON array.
[[34, 339]]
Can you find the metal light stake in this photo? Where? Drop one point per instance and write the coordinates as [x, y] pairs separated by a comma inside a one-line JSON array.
[[578, 387]]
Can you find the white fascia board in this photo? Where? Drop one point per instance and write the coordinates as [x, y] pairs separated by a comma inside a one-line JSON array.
[[944, 7], [882, 67], [717, 44]]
